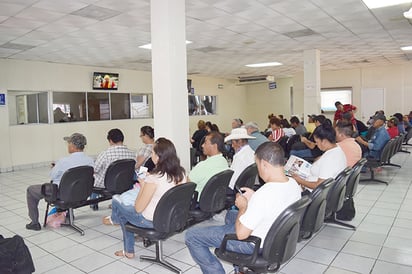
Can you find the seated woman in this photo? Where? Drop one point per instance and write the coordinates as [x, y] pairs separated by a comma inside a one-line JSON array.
[[144, 153], [330, 164], [166, 174]]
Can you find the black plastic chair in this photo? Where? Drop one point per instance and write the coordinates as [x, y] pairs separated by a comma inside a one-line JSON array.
[[336, 197], [75, 187], [354, 177], [246, 179], [212, 198], [118, 179], [371, 164], [169, 218], [395, 146], [279, 246], [407, 137], [314, 215]]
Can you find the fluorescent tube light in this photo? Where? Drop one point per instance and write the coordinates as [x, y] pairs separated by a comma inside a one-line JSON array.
[[406, 48], [261, 65], [149, 46], [408, 14], [374, 4]]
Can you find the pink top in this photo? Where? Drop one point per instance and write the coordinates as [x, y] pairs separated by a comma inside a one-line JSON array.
[[352, 150]]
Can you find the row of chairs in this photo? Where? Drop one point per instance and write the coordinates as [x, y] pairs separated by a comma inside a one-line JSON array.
[[76, 185], [392, 147], [298, 222], [174, 214]]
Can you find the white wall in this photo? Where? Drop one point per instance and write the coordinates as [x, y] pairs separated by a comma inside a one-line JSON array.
[[23, 146]]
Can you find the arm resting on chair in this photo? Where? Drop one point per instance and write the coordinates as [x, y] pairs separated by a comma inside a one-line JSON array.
[[222, 251]]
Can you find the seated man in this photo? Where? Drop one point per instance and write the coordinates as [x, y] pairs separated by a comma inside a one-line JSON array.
[[75, 146], [244, 154], [307, 147], [253, 130], [344, 139], [214, 163], [299, 128], [379, 138], [116, 151], [257, 211]]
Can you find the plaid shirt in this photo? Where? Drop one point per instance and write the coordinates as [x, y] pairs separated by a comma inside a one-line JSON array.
[[105, 158]]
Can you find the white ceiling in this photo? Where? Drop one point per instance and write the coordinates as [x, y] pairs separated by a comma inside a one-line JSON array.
[[226, 34]]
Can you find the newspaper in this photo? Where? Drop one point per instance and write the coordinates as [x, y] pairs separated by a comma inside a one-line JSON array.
[[299, 166]]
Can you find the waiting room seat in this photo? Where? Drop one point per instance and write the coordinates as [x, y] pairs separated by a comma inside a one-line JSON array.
[[212, 198], [75, 187], [314, 214], [336, 197], [279, 246], [407, 137], [371, 164], [246, 179], [169, 218], [119, 178], [395, 146], [354, 177]]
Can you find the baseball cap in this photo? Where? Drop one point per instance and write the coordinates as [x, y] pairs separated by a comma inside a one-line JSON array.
[[379, 116], [77, 139]]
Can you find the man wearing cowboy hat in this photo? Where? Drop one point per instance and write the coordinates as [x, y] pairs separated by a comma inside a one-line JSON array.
[[244, 154]]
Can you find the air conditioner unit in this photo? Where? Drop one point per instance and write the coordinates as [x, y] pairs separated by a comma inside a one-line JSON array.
[[248, 80]]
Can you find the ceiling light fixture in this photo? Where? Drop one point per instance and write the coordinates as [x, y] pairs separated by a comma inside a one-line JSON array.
[[374, 4], [408, 14], [407, 48], [261, 65], [149, 46]]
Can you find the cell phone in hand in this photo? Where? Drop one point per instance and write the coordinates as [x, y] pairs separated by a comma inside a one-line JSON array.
[[142, 172], [239, 190]]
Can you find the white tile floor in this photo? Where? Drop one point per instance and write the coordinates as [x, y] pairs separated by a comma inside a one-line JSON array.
[[382, 242]]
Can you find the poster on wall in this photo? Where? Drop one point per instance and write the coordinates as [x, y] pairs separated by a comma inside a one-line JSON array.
[[2, 99]]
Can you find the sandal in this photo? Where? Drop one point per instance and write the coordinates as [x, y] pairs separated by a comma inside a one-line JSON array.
[[121, 253], [108, 221]]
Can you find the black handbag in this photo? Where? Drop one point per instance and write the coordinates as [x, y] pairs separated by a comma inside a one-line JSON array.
[[347, 212]]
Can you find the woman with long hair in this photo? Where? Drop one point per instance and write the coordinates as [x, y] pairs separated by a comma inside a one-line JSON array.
[[167, 173]]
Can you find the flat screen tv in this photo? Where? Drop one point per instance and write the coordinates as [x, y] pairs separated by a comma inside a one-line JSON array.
[[104, 80]]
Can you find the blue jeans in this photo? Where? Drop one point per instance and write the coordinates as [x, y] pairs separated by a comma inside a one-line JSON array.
[[122, 214], [303, 153], [199, 239]]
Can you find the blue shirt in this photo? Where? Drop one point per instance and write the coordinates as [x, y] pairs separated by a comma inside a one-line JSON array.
[[73, 160], [377, 142], [260, 139]]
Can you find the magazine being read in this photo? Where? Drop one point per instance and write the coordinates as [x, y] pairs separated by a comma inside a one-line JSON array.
[[298, 166]]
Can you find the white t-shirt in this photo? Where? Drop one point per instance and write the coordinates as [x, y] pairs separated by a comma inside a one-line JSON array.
[[241, 160], [267, 203], [329, 165]]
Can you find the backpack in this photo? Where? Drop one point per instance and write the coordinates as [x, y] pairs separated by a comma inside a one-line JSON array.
[[347, 212], [15, 257]]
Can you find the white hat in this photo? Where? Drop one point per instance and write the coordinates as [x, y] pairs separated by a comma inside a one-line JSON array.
[[238, 133]]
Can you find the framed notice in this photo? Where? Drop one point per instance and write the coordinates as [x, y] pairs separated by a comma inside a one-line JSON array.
[[2, 99]]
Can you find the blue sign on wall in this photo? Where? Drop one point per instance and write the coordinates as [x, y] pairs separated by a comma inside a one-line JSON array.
[[272, 85], [2, 99]]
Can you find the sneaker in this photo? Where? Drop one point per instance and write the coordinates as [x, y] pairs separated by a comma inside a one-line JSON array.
[[33, 226], [95, 207]]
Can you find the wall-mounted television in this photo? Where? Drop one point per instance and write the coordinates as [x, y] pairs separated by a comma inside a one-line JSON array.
[[105, 80]]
